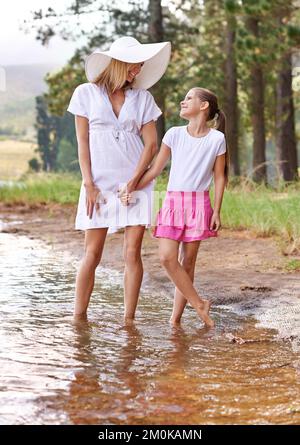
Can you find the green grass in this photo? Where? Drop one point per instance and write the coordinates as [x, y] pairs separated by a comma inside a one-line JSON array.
[[43, 188], [293, 265], [264, 210]]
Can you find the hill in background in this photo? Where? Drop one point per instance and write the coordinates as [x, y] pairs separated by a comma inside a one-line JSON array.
[[17, 102]]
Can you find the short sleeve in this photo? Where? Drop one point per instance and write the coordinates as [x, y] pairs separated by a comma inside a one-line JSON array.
[[151, 110], [222, 147], [168, 138], [78, 105]]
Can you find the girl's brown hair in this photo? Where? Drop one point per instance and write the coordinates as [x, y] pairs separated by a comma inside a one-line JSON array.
[[214, 112], [114, 77]]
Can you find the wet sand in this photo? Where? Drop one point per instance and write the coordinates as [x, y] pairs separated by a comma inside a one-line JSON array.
[[99, 372], [235, 266]]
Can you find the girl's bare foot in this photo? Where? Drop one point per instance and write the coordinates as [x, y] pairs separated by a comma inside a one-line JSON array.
[[203, 314]]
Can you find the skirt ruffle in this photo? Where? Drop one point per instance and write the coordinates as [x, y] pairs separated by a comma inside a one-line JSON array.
[[185, 216]]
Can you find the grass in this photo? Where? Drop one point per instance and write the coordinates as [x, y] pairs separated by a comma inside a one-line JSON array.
[[293, 265], [42, 188], [14, 157], [264, 210]]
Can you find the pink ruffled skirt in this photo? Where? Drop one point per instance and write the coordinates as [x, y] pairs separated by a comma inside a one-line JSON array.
[[185, 216]]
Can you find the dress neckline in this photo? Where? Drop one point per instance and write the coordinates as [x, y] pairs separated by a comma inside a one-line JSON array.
[[108, 101]]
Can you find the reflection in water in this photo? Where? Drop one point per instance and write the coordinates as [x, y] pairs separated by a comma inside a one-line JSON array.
[[54, 371]]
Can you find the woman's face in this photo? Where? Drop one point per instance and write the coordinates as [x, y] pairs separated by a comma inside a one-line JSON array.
[[134, 70], [191, 105]]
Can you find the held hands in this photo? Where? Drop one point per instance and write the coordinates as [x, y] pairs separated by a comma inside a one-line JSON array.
[[125, 193], [215, 222], [124, 196], [94, 198]]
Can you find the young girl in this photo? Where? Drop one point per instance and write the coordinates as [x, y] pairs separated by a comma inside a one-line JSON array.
[[198, 153]]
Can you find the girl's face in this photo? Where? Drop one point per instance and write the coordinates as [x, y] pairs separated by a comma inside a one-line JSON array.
[[134, 70], [192, 105]]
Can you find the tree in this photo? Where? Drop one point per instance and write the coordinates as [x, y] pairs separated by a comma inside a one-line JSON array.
[[47, 131], [67, 157], [286, 145], [231, 81]]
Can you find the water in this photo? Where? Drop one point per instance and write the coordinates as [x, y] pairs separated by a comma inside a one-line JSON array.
[[101, 372]]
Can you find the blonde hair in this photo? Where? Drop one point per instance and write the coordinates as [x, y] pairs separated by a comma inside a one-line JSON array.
[[114, 77], [214, 112]]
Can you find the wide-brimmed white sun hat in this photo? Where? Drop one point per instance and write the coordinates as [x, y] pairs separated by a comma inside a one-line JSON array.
[[155, 56]]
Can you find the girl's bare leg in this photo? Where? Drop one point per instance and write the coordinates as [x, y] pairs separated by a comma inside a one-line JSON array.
[[133, 273], [93, 246], [187, 258], [168, 253]]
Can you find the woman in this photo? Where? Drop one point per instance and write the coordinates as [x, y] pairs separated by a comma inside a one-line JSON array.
[[111, 112]]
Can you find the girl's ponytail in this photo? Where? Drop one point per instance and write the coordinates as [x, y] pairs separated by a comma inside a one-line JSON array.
[[216, 115], [220, 121]]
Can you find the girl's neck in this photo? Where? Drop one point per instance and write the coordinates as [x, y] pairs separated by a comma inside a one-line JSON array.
[[197, 127]]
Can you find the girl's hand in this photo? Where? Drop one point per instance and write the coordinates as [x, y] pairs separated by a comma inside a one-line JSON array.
[[215, 222], [124, 195], [93, 199]]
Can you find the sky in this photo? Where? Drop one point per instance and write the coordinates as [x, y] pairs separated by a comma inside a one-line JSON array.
[[16, 47]]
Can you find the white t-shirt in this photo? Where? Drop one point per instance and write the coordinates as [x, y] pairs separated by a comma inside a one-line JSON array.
[[193, 158]]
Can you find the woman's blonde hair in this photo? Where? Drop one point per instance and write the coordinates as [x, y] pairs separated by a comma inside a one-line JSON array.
[[114, 77], [214, 112]]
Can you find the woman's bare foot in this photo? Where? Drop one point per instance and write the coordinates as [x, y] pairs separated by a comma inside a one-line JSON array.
[[128, 321], [79, 318], [174, 323]]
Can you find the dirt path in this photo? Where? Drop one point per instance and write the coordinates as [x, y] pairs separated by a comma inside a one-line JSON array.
[[233, 267]]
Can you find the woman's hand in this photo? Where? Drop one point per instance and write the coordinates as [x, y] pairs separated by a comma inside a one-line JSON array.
[[93, 199], [215, 222]]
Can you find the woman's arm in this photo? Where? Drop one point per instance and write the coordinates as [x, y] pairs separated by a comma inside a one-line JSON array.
[[150, 149], [82, 134], [219, 181], [92, 192]]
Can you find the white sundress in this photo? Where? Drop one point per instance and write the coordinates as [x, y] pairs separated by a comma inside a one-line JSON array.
[[115, 148]]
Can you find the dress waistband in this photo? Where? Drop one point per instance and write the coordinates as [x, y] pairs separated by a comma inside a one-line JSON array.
[[187, 194], [115, 130]]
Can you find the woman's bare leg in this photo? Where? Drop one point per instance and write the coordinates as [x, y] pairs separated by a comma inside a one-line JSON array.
[[187, 257], [168, 253], [93, 246], [133, 273]]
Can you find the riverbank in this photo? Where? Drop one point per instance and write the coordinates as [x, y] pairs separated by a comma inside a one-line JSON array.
[[235, 266]]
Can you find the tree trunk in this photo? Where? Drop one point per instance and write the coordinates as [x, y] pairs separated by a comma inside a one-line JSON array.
[[286, 146], [231, 105], [156, 34], [257, 111]]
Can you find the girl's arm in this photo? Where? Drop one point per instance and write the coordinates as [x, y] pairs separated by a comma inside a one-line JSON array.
[[219, 181], [150, 149], [157, 167], [82, 135]]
